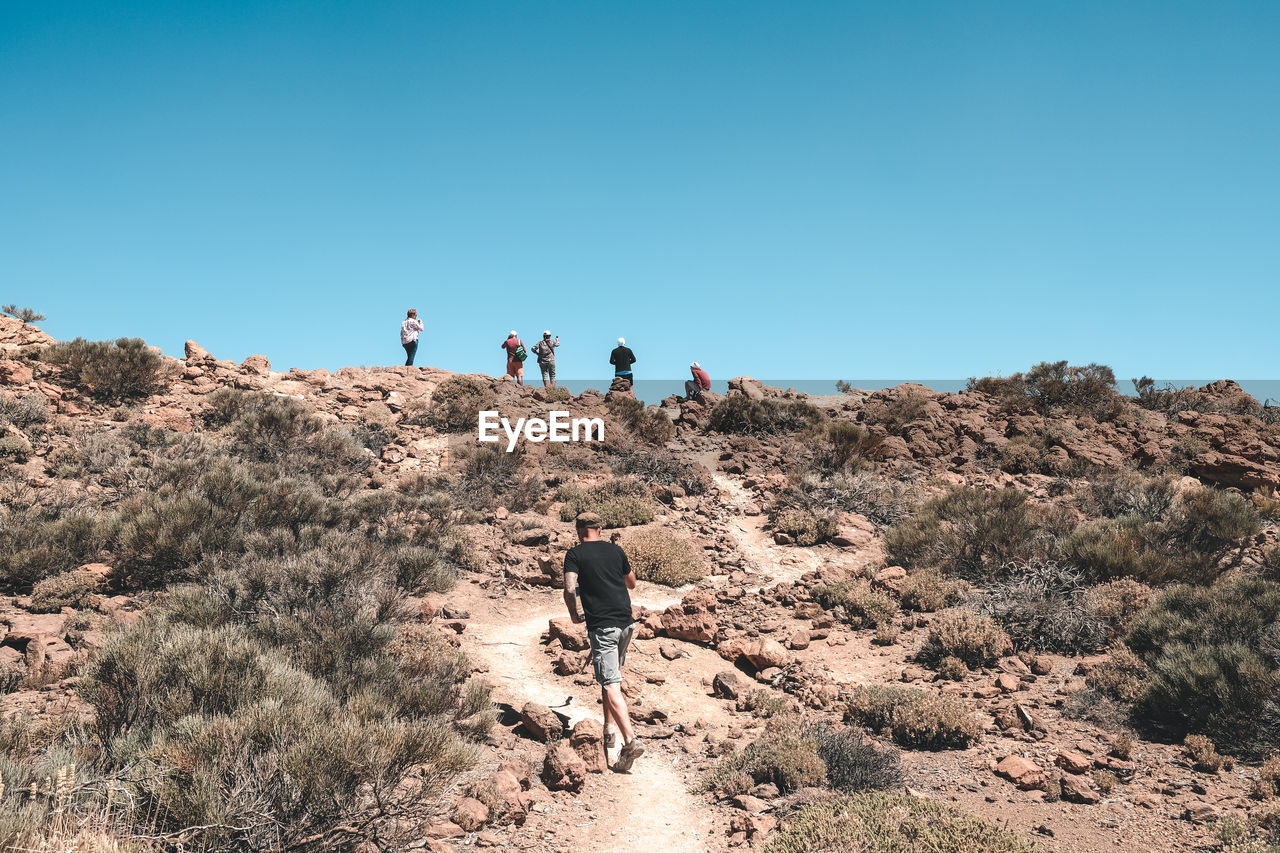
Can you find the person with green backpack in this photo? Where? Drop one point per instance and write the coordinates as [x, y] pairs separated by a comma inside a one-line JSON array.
[[516, 354]]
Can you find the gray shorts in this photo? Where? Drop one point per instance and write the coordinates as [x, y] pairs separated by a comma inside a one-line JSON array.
[[548, 370], [609, 652]]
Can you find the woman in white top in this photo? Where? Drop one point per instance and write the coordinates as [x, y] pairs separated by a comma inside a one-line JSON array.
[[409, 330]]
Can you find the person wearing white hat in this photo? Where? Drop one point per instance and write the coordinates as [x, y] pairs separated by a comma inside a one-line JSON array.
[[516, 355], [545, 350], [700, 382], [622, 358]]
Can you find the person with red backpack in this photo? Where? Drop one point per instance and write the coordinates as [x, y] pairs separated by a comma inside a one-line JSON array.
[[516, 354]]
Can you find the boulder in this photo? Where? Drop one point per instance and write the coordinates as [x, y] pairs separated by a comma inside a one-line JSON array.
[[752, 389], [727, 685], [1076, 790], [192, 351], [509, 789], [587, 740], [563, 769], [799, 640], [1022, 772], [765, 653], [572, 637], [470, 814], [259, 365], [1073, 761], [1228, 470], [541, 722]]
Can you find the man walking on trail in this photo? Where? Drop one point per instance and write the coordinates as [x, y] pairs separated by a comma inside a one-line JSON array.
[[700, 382], [545, 350], [599, 572], [622, 358], [409, 330]]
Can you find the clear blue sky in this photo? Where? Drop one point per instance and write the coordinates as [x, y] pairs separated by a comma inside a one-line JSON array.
[[787, 190]]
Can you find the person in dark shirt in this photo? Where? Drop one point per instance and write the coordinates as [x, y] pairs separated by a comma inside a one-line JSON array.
[[599, 572], [622, 358]]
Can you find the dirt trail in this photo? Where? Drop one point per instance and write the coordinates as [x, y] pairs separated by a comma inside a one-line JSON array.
[[650, 808]]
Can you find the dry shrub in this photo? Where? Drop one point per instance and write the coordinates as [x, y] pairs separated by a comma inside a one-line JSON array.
[[1121, 676], [1202, 754], [1043, 605], [24, 411], [784, 756], [806, 528], [456, 405], [744, 416], [915, 719], [895, 413], [68, 589], [661, 556], [650, 425], [972, 637], [877, 822], [766, 704], [855, 762], [661, 467], [121, 370], [858, 604], [620, 502], [846, 446], [886, 634], [927, 591], [1267, 783]]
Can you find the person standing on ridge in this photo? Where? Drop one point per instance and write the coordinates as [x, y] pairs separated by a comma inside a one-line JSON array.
[[545, 350], [516, 355], [599, 572], [700, 382], [409, 330], [622, 358]]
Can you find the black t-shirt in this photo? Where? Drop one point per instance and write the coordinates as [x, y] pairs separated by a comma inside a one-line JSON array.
[[622, 358], [602, 569]]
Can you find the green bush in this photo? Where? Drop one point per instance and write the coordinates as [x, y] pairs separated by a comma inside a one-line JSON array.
[[877, 822], [1214, 662], [661, 556], [972, 637], [915, 719], [744, 416], [123, 370], [973, 532], [456, 405], [846, 446], [1050, 388], [927, 591], [39, 541], [861, 606], [620, 502], [783, 756]]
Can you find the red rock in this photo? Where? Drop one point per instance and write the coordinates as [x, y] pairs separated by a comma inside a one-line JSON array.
[[563, 769], [765, 653], [541, 722], [587, 740], [727, 685], [1008, 683], [1042, 665], [470, 814], [799, 640], [1072, 761], [1021, 771], [1076, 790], [571, 636]]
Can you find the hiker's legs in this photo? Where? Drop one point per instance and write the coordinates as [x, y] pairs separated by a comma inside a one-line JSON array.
[[689, 386], [615, 706], [520, 375], [410, 349], [548, 375]]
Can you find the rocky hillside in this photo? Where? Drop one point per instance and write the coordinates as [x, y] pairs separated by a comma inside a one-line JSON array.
[[255, 609]]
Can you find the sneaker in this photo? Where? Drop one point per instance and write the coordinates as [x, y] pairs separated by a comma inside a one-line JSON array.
[[630, 752]]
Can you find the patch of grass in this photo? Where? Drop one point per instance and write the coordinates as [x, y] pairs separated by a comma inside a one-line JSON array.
[[661, 556], [876, 822], [68, 589]]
